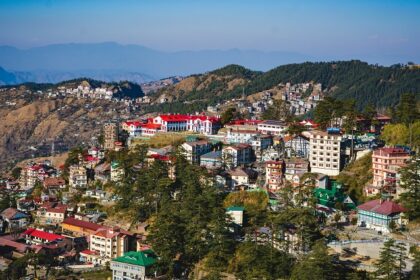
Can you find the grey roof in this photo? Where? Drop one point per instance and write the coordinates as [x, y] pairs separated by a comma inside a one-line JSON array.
[[213, 155]]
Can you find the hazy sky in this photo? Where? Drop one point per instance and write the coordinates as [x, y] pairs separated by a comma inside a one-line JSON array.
[[335, 28]]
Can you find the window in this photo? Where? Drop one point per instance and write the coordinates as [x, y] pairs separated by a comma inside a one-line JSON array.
[[335, 166]]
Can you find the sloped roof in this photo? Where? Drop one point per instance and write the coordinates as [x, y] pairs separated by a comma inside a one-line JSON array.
[[82, 224], [382, 207], [42, 234], [12, 213], [142, 258]]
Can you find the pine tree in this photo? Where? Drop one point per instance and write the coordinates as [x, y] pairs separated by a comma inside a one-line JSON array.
[[410, 183], [391, 261]]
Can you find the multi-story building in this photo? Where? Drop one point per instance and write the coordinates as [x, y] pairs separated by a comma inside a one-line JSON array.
[[51, 213], [110, 135], [272, 127], [325, 152], [274, 174], [211, 160], [77, 176], [34, 172], [238, 177], [108, 243], [385, 163], [117, 172], [240, 136], [235, 155], [260, 143], [193, 150], [134, 266], [297, 146], [295, 168], [194, 123]]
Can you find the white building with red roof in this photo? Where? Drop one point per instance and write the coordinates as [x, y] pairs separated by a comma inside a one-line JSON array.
[[378, 214], [194, 123], [39, 237]]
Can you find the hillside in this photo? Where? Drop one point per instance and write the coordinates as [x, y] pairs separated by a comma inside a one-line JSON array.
[[30, 123], [379, 85]]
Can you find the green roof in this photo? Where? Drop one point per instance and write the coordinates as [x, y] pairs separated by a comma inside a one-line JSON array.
[[141, 258], [235, 208]]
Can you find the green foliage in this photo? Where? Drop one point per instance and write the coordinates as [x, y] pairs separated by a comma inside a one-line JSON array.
[[395, 134], [280, 110], [316, 265], [415, 273], [407, 111], [235, 71], [16, 172], [410, 183], [253, 261], [255, 204], [229, 115], [356, 175], [392, 261]]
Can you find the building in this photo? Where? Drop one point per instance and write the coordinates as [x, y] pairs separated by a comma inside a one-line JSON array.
[[79, 227], [297, 146], [329, 193], [77, 176], [54, 183], [12, 218], [39, 237], [240, 136], [238, 177], [385, 163], [274, 174], [110, 135], [260, 143], [51, 213], [194, 123], [236, 214], [272, 127], [378, 214], [235, 155], [325, 152], [194, 150], [34, 172], [109, 243], [295, 167], [212, 160], [117, 172], [134, 266]]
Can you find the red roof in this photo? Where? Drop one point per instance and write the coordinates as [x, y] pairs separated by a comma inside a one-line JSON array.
[[89, 252], [390, 152], [382, 207], [43, 234], [184, 118], [82, 224], [151, 126]]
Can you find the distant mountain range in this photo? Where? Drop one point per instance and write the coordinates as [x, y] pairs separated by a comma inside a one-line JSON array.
[[114, 62]]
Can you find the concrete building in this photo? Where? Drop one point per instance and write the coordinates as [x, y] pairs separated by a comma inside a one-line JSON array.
[[236, 214], [134, 266], [240, 136], [236, 155], [385, 163], [325, 152], [211, 160], [77, 176], [272, 127], [295, 166], [110, 135], [193, 150], [260, 143], [297, 146], [274, 174], [238, 177], [108, 243]]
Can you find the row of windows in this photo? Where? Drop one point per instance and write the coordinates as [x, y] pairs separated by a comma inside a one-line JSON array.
[[326, 159], [322, 153], [326, 148], [327, 165], [322, 142]]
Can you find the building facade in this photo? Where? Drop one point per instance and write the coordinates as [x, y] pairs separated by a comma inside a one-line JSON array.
[[110, 135], [134, 266], [325, 152]]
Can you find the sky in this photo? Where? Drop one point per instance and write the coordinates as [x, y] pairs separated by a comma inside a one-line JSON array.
[[324, 28]]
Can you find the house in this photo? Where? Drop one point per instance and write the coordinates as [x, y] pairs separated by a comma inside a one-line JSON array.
[[134, 265], [274, 174], [34, 172], [385, 164], [260, 143], [39, 237], [193, 150], [109, 243], [14, 219], [51, 213], [110, 135], [103, 172], [117, 172], [240, 136], [329, 193], [235, 155], [54, 183], [297, 146], [238, 177], [77, 176], [295, 168], [325, 152], [236, 214], [211, 160], [379, 213], [194, 123], [78, 227], [272, 127]]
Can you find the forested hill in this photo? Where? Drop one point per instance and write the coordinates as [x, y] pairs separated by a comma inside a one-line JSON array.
[[367, 84]]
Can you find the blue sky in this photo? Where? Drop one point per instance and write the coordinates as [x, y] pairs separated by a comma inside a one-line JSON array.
[[323, 28]]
